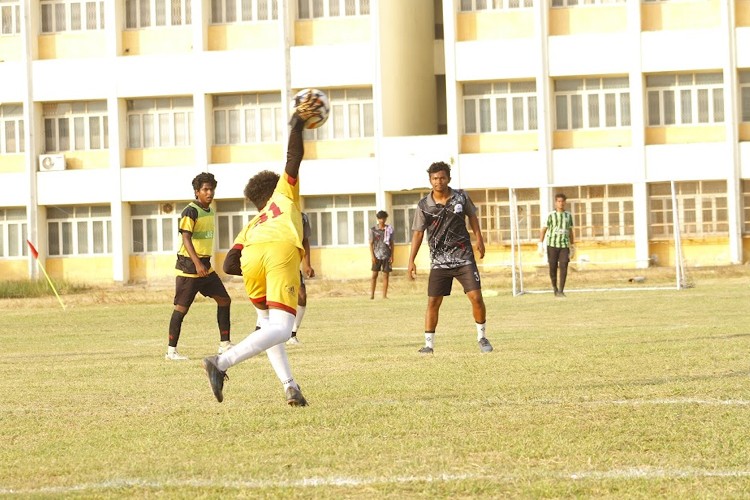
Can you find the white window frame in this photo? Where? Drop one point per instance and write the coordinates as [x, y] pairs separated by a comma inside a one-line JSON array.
[[682, 95], [340, 220], [493, 212], [602, 212], [164, 217], [556, 4], [231, 217], [248, 119], [480, 5], [10, 17], [13, 233], [744, 93], [163, 122], [351, 117], [75, 126], [59, 16], [403, 208], [499, 107], [243, 11], [160, 13], [12, 129], [69, 225], [592, 103], [314, 9], [702, 209]]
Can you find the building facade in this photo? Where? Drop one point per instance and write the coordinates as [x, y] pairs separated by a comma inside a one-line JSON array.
[[108, 109]]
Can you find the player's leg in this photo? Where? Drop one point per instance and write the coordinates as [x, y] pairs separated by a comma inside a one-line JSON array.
[[185, 291], [552, 257], [301, 308], [374, 279], [469, 278], [438, 286], [387, 268], [564, 261], [280, 362], [213, 287]]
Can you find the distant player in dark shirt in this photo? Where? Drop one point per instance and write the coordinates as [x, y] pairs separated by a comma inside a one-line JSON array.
[[442, 213], [381, 252]]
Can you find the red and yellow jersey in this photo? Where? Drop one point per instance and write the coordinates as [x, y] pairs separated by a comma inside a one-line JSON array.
[[279, 221]]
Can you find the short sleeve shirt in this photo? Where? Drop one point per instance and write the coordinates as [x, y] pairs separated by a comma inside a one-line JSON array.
[[199, 222], [559, 226], [380, 239], [445, 225]]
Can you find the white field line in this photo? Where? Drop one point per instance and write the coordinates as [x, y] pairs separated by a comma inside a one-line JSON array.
[[314, 482]]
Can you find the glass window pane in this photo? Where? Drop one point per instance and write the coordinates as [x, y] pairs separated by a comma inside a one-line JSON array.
[[83, 238], [342, 227], [152, 237], [168, 230], [137, 235]]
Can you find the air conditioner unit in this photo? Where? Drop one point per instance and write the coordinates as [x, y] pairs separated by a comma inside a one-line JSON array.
[[51, 162]]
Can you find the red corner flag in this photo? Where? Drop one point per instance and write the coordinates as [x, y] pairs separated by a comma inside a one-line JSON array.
[[35, 253], [33, 249]]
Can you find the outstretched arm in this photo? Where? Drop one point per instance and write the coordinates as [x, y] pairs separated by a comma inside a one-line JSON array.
[[295, 149]]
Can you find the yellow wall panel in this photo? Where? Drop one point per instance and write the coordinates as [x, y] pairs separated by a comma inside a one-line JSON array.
[[591, 138], [78, 160], [88, 269], [336, 149], [494, 25], [247, 153], [14, 269], [680, 15], [705, 252], [165, 40], [152, 267], [494, 143], [685, 135], [11, 48], [742, 12], [332, 31], [744, 131], [77, 44], [579, 20], [12, 162], [243, 36], [159, 157]]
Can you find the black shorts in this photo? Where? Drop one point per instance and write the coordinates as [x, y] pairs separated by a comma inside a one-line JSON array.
[[441, 280], [382, 265], [187, 288]]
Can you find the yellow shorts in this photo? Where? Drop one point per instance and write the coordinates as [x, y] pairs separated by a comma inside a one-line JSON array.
[[271, 274]]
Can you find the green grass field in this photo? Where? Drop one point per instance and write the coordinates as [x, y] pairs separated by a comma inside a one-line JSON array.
[[635, 394]]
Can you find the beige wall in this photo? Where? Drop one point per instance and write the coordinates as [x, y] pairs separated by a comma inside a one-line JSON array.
[[685, 135], [332, 31], [680, 15], [11, 48], [14, 270], [409, 95], [742, 12], [15, 162], [156, 157], [592, 138], [602, 19], [705, 252], [489, 25], [77, 160], [247, 153], [165, 40], [495, 143], [72, 45], [86, 269], [243, 36]]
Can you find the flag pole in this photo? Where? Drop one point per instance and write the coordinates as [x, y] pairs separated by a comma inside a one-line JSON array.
[[35, 253]]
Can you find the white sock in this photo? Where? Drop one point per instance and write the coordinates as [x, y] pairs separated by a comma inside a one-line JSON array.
[[171, 349], [298, 318], [278, 329], [429, 338], [480, 331], [262, 315], [280, 363]]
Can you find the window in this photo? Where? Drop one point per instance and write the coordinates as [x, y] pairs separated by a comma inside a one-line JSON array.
[[160, 123], [493, 207], [310, 9], [351, 116], [583, 3], [231, 217], [600, 212], [12, 132], [10, 17], [500, 107], [248, 118], [79, 230], [685, 99], [702, 209], [72, 15], [592, 103], [476, 5], [340, 220], [234, 11], [75, 126], [146, 13], [403, 208], [13, 233], [154, 227], [745, 96]]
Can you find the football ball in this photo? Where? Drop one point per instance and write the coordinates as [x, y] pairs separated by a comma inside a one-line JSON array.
[[314, 104]]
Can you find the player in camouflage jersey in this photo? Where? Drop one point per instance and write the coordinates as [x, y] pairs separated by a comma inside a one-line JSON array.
[[558, 234], [381, 252], [443, 213]]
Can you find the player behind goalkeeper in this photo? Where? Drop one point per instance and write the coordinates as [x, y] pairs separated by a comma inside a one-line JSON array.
[[558, 234], [194, 271], [267, 253]]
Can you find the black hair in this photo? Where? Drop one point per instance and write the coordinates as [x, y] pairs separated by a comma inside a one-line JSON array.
[[260, 188], [561, 195], [204, 178], [381, 215], [439, 166]]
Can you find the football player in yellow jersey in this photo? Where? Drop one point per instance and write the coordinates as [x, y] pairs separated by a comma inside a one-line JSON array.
[[267, 253], [194, 271]]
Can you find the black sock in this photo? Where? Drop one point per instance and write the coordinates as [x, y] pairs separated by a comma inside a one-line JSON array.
[[175, 327], [222, 317]]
